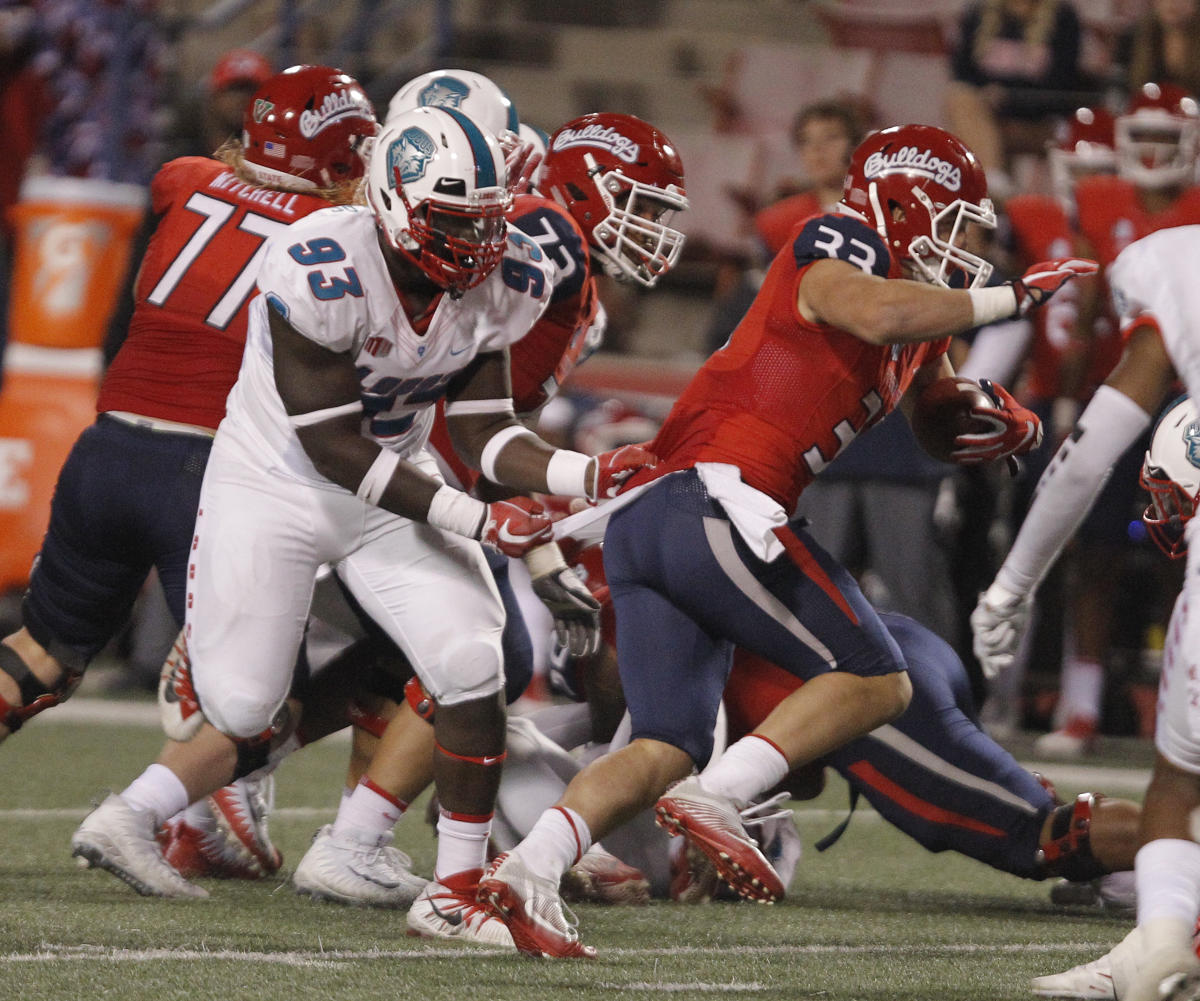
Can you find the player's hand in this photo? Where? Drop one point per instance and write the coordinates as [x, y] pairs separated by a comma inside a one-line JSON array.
[[515, 526], [520, 164], [1011, 429], [610, 470], [1042, 280], [997, 625], [576, 613]]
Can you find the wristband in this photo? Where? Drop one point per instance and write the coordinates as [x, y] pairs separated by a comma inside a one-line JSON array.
[[544, 560], [998, 302], [493, 447], [376, 479], [567, 473], [453, 511]]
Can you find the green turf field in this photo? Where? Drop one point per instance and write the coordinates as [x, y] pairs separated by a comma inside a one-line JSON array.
[[876, 917]]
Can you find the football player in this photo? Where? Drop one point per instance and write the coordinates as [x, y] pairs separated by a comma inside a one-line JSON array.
[[853, 314], [368, 317], [127, 495], [1156, 300]]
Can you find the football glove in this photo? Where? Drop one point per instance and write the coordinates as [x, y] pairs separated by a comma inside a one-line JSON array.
[[520, 164], [610, 470], [576, 613], [1042, 280], [515, 526], [1012, 429], [997, 625]]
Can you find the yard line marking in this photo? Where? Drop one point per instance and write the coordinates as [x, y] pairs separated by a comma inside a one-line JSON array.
[[670, 988], [49, 952]]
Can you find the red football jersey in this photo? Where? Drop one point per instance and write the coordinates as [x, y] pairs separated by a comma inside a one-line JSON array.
[[783, 397], [184, 346], [1111, 215], [775, 223], [545, 356]]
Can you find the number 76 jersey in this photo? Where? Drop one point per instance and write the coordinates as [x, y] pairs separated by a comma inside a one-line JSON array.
[[328, 277]]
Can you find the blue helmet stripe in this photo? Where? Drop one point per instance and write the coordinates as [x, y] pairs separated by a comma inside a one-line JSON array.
[[485, 167]]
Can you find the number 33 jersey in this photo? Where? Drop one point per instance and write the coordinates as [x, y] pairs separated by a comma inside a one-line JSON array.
[[185, 339], [327, 276]]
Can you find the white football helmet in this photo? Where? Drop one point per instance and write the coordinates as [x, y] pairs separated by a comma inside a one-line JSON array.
[[437, 186], [471, 93], [1171, 474]]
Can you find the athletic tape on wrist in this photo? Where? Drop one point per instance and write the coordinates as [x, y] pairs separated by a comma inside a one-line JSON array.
[[495, 444], [453, 511], [378, 476], [567, 473], [541, 561], [988, 305]]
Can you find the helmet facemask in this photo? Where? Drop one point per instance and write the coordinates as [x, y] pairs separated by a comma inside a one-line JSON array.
[[1169, 510], [1156, 149], [457, 246], [1171, 475], [635, 238], [935, 254]]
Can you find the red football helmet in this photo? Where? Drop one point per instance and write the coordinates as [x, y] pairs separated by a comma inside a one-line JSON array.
[[1157, 137], [308, 127], [1084, 144], [919, 187], [622, 181], [1171, 475]]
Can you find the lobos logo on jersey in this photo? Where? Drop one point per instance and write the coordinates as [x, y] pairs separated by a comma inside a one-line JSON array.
[[444, 92], [910, 160], [601, 136], [408, 156], [336, 106]]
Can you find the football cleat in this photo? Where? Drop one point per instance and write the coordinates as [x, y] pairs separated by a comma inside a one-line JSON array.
[[121, 840], [1075, 740], [1115, 892], [532, 909], [694, 878], [225, 836], [357, 869], [712, 823], [178, 707], [449, 909], [1105, 979], [602, 878]]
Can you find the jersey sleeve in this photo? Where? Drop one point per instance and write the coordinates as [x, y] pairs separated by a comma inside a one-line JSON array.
[[841, 238], [173, 177], [309, 276], [560, 240], [518, 292], [1124, 281]]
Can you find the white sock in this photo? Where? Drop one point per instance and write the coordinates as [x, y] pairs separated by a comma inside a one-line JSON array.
[[368, 808], [1168, 881], [1082, 687], [159, 790], [557, 841], [750, 767], [462, 844]]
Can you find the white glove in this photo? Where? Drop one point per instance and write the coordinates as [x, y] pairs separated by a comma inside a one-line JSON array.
[[576, 613], [997, 624]]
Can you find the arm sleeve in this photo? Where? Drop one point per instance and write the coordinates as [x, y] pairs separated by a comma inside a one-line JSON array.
[[1109, 425]]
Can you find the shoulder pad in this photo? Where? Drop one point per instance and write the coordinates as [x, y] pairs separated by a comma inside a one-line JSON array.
[[842, 238]]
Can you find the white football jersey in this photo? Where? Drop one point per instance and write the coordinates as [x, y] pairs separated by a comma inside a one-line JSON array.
[[328, 277], [1159, 274]]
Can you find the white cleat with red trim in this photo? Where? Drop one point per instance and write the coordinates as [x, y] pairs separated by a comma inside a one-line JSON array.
[[532, 909]]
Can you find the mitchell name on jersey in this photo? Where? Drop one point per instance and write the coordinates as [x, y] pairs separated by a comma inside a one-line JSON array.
[[327, 276]]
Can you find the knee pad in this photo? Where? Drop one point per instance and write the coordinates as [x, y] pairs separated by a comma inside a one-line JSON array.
[[1068, 853], [35, 696], [475, 670], [242, 715]]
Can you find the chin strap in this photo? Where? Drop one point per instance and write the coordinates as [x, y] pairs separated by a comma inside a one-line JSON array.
[[35, 696]]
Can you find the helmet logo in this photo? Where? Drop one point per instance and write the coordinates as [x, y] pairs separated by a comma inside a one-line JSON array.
[[336, 106], [600, 136], [262, 108], [408, 156], [444, 92], [1191, 437], [911, 160]]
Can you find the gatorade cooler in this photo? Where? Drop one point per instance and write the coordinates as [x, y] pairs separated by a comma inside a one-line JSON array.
[[73, 238], [49, 397]]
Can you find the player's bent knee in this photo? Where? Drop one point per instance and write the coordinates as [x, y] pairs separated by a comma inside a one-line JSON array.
[[35, 696], [241, 715], [474, 669]]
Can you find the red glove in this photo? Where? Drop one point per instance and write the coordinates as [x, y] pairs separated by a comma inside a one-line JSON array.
[[1041, 281], [612, 469], [515, 526], [520, 164], [1012, 429]]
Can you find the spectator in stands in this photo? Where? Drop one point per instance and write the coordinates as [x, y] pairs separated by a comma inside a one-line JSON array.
[[1015, 67], [1162, 46], [214, 115]]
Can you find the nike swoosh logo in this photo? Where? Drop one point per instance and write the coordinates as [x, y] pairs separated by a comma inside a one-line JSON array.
[[454, 918], [506, 536], [387, 884], [460, 350], [491, 761]]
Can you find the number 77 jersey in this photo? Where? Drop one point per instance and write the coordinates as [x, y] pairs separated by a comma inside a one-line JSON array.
[[197, 277]]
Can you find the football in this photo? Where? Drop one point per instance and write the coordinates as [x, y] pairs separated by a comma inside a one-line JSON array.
[[943, 412]]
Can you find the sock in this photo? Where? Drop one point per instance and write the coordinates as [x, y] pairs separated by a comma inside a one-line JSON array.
[[1168, 881], [557, 841], [1082, 686], [462, 843], [748, 768], [368, 808], [159, 790]]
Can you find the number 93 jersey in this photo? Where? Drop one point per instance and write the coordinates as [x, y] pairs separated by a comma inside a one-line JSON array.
[[327, 276]]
